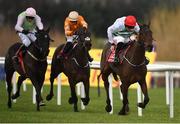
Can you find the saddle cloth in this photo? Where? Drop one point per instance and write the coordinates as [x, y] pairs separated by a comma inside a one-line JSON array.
[[111, 54]]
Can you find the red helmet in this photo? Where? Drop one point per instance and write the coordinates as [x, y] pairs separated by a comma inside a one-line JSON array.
[[130, 21]]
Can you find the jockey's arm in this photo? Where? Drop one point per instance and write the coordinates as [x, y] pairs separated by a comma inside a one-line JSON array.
[[38, 22], [18, 26], [113, 28], [83, 22]]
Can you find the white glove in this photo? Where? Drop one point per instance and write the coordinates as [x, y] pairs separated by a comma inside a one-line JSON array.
[[133, 37]]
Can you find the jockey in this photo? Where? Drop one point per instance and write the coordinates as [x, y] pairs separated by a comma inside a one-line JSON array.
[[26, 24], [121, 31], [71, 24]]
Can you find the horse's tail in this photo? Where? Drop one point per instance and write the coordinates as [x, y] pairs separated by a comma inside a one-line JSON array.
[[115, 77]]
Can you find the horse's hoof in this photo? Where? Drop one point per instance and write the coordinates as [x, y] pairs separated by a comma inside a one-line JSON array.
[[85, 101], [127, 108], [122, 113], [42, 103], [76, 111], [49, 97], [15, 96], [9, 105], [70, 100], [108, 108], [141, 105]]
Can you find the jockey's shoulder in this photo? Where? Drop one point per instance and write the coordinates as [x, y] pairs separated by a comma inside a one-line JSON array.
[[22, 14]]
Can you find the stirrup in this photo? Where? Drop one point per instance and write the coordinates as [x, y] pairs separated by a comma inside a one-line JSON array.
[[146, 61], [16, 59], [90, 59], [116, 59]]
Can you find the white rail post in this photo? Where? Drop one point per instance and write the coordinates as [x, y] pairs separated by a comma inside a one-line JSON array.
[[139, 99], [167, 76], [171, 96], [24, 86], [34, 95], [59, 90], [78, 89], [111, 92], [120, 94], [82, 95], [14, 85]]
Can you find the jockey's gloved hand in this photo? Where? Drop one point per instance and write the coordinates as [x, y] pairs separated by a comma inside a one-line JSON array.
[[25, 31], [84, 28]]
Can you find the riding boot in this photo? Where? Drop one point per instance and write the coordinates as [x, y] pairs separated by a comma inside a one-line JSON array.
[[22, 49], [64, 52], [118, 48], [89, 57]]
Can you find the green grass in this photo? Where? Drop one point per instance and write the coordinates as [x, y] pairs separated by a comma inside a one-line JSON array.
[[24, 111]]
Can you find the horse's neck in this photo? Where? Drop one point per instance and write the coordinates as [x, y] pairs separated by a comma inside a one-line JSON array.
[[136, 53]]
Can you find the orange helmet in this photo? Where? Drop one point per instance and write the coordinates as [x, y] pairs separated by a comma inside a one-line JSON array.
[[130, 21]]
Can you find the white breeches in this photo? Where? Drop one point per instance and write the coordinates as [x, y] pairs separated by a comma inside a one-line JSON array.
[[118, 39], [27, 39], [71, 38]]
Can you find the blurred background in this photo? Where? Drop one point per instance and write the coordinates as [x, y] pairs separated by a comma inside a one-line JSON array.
[[164, 16]]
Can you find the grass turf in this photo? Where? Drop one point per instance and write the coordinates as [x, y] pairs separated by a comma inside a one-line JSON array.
[[24, 111]]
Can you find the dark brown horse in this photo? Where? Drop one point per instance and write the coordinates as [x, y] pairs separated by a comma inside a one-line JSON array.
[[76, 67], [34, 67], [132, 69]]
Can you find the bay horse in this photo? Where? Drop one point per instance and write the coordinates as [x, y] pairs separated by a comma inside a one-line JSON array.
[[75, 67], [32, 65], [132, 69]]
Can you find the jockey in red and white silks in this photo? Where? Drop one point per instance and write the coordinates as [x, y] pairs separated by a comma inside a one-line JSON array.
[[119, 33]]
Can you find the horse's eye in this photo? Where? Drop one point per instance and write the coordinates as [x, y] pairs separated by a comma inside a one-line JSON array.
[[45, 36]]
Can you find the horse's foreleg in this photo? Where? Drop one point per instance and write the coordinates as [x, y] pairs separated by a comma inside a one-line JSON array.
[[54, 74], [124, 90], [20, 80], [145, 92], [73, 99], [9, 75], [106, 85], [86, 87], [38, 91], [41, 82]]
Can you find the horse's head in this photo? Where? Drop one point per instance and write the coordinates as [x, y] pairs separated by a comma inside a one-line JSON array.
[[145, 37], [42, 42], [84, 37]]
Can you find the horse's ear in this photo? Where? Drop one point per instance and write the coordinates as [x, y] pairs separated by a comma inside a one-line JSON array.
[[48, 29]]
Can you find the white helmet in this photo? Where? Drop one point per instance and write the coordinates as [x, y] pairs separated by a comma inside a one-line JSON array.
[[73, 16], [31, 12]]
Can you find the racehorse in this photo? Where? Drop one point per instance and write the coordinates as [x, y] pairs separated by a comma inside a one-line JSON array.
[[32, 65], [132, 69], [75, 67]]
